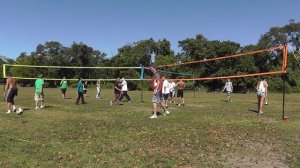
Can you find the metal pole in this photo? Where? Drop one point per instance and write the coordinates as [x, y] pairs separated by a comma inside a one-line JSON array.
[[283, 98], [194, 87], [142, 80]]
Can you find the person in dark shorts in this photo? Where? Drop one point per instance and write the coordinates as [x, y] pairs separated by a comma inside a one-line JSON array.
[[118, 92], [10, 92], [63, 87], [85, 88], [80, 92], [180, 87]]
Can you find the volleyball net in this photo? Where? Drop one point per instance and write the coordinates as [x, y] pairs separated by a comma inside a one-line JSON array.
[[261, 57]]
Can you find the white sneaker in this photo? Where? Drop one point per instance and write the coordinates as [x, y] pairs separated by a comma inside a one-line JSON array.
[[154, 116], [14, 109], [8, 112], [36, 108], [179, 104], [167, 112], [111, 103], [266, 103], [260, 112], [42, 107]]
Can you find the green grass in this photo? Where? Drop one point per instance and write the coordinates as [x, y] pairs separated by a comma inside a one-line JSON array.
[[207, 132]]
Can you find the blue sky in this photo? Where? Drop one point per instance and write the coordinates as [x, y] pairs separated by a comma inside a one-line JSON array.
[[107, 25]]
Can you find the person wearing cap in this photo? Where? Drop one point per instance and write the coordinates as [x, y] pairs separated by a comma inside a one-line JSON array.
[[124, 90], [39, 92]]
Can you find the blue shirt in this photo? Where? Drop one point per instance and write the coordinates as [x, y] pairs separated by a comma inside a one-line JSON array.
[[80, 87]]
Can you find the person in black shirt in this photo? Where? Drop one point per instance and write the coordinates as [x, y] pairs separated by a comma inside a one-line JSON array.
[[117, 92]]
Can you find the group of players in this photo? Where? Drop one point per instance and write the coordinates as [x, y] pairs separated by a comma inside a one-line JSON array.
[[163, 92]]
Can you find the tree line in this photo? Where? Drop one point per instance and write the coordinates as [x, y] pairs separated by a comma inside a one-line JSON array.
[[148, 52]]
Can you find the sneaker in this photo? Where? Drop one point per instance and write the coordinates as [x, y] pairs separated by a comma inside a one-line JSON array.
[[42, 107], [179, 104], [167, 112], [36, 108], [154, 116], [266, 103], [260, 112], [14, 109], [111, 103], [8, 112], [129, 101]]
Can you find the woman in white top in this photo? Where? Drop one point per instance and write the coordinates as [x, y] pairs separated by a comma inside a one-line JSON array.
[[98, 86], [229, 88], [262, 90]]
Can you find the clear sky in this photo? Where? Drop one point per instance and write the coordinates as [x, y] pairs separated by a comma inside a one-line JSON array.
[[107, 25]]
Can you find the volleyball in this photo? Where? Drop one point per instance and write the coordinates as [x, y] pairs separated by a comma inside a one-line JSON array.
[[20, 111]]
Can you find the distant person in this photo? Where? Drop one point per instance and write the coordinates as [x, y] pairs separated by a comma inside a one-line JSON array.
[[165, 91], [117, 92], [124, 90], [180, 87], [80, 92], [156, 84], [39, 92], [267, 93], [229, 88], [10, 91], [261, 88], [63, 87], [98, 87], [172, 90], [85, 88]]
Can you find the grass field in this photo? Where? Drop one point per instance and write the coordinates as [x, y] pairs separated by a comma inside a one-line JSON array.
[[207, 132]]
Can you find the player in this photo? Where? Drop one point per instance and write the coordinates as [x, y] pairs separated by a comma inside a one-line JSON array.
[[98, 87], [80, 92], [63, 87], [39, 92], [10, 92], [229, 88], [124, 90], [261, 88], [118, 92], [165, 91], [172, 90], [180, 87], [156, 84]]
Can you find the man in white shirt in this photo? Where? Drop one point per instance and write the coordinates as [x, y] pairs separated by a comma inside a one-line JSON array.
[[229, 88], [165, 91], [172, 90], [124, 90]]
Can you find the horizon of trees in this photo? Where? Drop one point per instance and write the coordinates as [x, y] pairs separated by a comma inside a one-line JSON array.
[[141, 53]]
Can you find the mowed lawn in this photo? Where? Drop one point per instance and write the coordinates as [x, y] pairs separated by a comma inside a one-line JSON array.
[[207, 132]]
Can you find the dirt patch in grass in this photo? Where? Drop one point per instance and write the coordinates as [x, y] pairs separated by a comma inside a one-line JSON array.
[[258, 155]]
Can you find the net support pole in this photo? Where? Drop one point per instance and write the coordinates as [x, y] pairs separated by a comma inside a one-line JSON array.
[[142, 84], [194, 88], [283, 98], [4, 75]]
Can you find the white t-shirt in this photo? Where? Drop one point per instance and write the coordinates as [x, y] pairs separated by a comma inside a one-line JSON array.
[[172, 86], [228, 86], [166, 87], [124, 85]]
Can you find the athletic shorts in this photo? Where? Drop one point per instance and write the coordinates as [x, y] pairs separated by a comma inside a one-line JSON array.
[[12, 92], [156, 97], [38, 96], [98, 90], [261, 94], [63, 91], [166, 96], [180, 93], [117, 96], [229, 93]]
